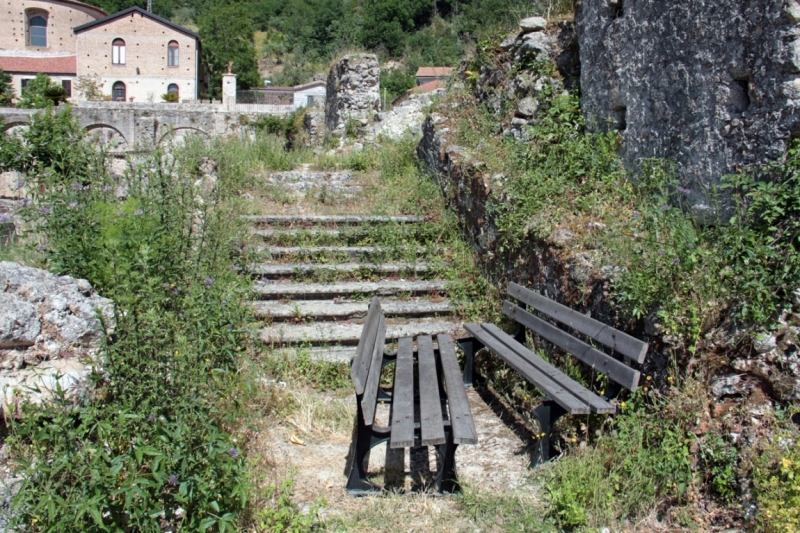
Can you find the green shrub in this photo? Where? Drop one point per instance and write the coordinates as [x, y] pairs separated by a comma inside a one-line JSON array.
[[156, 432], [170, 98], [776, 479], [41, 92]]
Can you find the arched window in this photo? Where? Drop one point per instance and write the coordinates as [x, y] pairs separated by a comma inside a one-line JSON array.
[[118, 91], [172, 53], [38, 30], [118, 52], [172, 88]]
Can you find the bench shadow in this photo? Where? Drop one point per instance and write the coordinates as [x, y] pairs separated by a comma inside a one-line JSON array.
[[512, 421]]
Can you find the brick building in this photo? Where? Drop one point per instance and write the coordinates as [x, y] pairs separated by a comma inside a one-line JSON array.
[[137, 55], [36, 36], [140, 56]]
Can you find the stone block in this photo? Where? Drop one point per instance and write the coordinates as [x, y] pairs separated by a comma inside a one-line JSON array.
[[533, 24]]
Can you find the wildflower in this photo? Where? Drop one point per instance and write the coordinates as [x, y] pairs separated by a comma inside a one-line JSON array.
[[44, 210], [77, 186], [177, 352], [173, 480], [661, 252], [649, 378], [623, 405], [787, 463], [26, 201], [670, 378], [108, 188], [20, 184], [233, 453], [224, 302], [676, 261], [41, 247], [4, 217], [175, 290], [636, 214], [684, 190], [665, 207], [72, 205], [139, 212], [574, 439], [209, 281], [151, 418], [121, 214], [165, 285]]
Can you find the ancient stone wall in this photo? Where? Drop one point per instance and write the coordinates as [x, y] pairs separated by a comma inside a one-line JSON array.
[[353, 92], [711, 85]]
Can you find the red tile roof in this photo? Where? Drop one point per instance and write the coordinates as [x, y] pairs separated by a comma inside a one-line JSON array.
[[34, 65], [426, 72], [427, 87]]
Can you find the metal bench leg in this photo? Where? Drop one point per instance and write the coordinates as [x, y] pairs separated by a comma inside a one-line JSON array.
[[547, 413], [446, 480], [470, 346], [366, 439]]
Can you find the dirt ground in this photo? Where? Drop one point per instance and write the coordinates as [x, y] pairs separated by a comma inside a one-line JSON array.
[[499, 463]]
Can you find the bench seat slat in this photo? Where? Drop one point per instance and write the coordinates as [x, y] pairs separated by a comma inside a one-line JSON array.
[[403, 396], [554, 390], [369, 401], [597, 404], [616, 370], [430, 404], [460, 413], [621, 342], [359, 369]]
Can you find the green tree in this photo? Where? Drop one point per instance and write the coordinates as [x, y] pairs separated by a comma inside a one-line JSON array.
[[41, 92], [6, 89], [227, 34], [387, 21]]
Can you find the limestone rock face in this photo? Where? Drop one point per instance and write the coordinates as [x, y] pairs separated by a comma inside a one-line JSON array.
[[711, 85], [353, 92], [50, 332]]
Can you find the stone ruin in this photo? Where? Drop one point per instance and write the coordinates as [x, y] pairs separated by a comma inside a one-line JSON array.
[[354, 93], [50, 333]]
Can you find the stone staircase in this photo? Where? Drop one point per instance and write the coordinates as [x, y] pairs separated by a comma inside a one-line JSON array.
[[316, 275]]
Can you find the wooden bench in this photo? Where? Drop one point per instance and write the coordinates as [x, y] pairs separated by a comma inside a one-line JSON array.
[[432, 412], [562, 394]]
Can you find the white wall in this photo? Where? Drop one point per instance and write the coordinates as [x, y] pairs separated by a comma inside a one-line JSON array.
[[301, 97], [143, 88], [16, 83]]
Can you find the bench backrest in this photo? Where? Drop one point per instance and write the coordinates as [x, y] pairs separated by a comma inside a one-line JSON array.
[[631, 348], [365, 370]]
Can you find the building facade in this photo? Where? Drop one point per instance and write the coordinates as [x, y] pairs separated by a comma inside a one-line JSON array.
[[140, 57], [134, 55], [37, 36]]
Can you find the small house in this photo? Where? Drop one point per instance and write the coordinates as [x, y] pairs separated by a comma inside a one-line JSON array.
[[429, 74]]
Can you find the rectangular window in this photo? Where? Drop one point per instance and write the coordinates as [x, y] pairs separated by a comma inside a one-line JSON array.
[[118, 55], [67, 85], [172, 56], [309, 100], [38, 36], [25, 82]]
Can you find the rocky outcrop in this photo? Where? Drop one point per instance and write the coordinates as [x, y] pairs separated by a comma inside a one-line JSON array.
[[712, 86], [50, 332], [353, 93]]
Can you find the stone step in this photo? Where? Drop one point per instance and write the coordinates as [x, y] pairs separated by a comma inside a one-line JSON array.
[[288, 220], [273, 234], [335, 332], [315, 291], [326, 309], [291, 269], [333, 353], [315, 251]]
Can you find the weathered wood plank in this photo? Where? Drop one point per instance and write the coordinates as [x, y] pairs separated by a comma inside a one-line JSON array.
[[430, 405], [616, 370], [460, 412], [597, 404], [370, 399], [603, 333], [403, 396], [360, 366], [554, 390]]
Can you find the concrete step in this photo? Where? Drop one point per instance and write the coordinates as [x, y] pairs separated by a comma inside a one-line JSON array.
[[291, 269], [335, 332], [288, 220], [316, 251], [316, 291], [328, 310], [333, 353], [274, 234]]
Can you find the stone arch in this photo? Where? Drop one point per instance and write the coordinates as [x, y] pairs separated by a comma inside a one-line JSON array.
[[109, 136], [15, 129], [175, 135]]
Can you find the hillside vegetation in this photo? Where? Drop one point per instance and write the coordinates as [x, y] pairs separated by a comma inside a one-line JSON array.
[[298, 38]]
